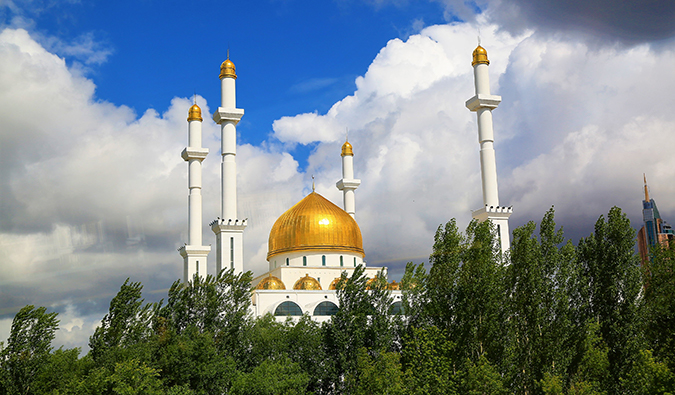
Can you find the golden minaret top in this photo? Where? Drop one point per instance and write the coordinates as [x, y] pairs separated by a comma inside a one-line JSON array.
[[480, 56]]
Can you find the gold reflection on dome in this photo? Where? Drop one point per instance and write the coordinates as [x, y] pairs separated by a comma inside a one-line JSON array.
[[347, 149], [333, 284], [394, 286], [480, 56], [227, 69], [307, 283], [271, 282], [315, 224], [195, 113]]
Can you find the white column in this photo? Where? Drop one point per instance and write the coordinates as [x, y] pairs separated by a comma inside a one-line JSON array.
[[348, 184], [483, 103], [194, 253], [229, 229]]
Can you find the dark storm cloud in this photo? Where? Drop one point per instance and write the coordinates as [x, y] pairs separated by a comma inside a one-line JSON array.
[[629, 22]]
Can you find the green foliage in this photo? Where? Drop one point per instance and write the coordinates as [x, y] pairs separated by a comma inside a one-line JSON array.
[[376, 374], [592, 375], [543, 284], [132, 377], [482, 379], [659, 303], [272, 377], [28, 349], [427, 357], [191, 359], [551, 384], [648, 377], [361, 322], [465, 290], [127, 322], [608, 257], [217, 305]]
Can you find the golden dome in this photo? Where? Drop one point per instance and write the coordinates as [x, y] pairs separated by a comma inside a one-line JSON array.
[[195, 113], [394, 286], [333, 284], [307, 283], [347, 149], [271, 282], [480, 56], [315, 224], [227, 69]]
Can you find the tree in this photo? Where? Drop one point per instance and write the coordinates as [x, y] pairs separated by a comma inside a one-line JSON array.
[[272, 377], [427, 359], [377, 374], [127, 322], [217, 305], [659, 303], [611, 266], [361, 322], [28, 348], [466, 291], [541, 283]]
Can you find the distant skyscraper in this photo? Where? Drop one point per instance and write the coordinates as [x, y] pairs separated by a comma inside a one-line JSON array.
[[655, 230]]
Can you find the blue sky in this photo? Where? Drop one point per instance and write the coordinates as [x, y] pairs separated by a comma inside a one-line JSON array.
[[94, 99]]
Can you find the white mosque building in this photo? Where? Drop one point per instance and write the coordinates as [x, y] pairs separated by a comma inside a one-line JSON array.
[[314, 242]]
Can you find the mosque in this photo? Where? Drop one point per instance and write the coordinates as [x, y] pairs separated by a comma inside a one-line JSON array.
[[315, 241]]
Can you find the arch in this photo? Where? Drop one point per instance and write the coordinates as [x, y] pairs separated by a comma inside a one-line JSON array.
[[304, 261], [325, 308], [288, 308], [341, 261], [286, 261], [323, 260], [396, 308]]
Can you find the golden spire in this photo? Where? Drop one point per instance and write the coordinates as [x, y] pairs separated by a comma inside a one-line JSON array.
[[347, 149], [195, 113], [313, 186], [646, 190], [227, 68], [480, 56]]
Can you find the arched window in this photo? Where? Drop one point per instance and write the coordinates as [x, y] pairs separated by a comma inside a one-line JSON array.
[[354, 261], [323, 260], [341, 262], [396, 308], [288, 308], [325, 308], [286, 261], [304, 261]]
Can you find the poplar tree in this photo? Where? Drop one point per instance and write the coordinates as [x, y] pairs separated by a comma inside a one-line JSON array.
[[611, 267]]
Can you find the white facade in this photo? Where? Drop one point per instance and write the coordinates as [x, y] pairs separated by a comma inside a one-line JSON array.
[[482, 104]]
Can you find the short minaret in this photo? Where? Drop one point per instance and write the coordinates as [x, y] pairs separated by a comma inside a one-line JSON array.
[[194, 253], [229, 229], [483, 103], [348, 184]]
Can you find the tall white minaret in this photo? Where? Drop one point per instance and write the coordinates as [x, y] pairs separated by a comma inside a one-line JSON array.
[[348, 184], [229, 229], [194, 253], [483, 103]]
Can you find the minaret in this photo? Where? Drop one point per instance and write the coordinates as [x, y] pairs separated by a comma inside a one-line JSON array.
[[348, 184], [229, 229], [483, 103], [194, 253]]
